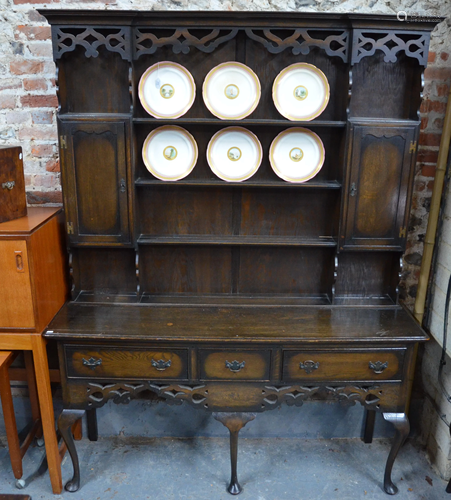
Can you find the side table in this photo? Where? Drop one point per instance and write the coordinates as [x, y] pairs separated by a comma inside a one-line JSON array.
[[34, 287]]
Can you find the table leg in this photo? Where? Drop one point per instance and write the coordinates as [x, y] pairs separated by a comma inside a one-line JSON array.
[[10, 422], [402, 427], [33, 391], [370, 417], [91, 416], [65, 422], [47, 416], [234, 422]]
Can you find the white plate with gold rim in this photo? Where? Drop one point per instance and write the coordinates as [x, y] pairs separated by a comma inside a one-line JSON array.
[[296, 154], [167, 90], [234, 154], [301, 92], [231, 91], [170, 153]]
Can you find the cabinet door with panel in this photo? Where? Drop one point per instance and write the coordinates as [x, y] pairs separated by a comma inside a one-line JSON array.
[[95, 182], [376, 204]]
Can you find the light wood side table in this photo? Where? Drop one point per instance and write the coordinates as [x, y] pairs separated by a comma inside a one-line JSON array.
[[32, 290]]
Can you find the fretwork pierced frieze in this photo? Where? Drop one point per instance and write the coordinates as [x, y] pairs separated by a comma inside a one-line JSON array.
[[66, 40], [123, 393], [371, 397], [181, 40], [301, 41], [367, 42]]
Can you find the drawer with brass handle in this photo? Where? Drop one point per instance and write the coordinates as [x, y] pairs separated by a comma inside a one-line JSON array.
[[89, 362], [343, 365], [234, 365]]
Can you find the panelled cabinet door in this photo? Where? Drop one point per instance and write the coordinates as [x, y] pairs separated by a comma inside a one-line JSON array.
[[378, 191], [16, 302], [95, 182]]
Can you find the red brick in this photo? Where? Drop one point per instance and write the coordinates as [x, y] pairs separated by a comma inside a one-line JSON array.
[[430, 139], [430, 186], [43, 197], [442, 90], [431, 57], [24, 67], [427, 106], [34, 32], [41, 117], [20, 2], [35, 84], [35, 17], [41, 150], [424, 123], [39, 101], [40, 133], [52, 166], [427, 155], [441, 74], [7, 102], [438, 124], [444, 56], [428, 170], [14, 117]]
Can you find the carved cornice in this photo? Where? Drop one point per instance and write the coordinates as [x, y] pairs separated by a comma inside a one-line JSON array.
[[67, 40], [413, 43], [302, 40]]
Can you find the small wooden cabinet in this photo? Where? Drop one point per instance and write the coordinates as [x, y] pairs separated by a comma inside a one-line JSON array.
[[237, 296], [33, 287]]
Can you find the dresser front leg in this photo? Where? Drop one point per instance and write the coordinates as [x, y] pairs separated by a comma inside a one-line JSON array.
[[65, 422], [402, 427], [234, 422]]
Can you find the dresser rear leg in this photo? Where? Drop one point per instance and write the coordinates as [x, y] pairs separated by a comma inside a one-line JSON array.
[[402, 427], [65, 423], [370, 417], [234, 422], [91, 417]]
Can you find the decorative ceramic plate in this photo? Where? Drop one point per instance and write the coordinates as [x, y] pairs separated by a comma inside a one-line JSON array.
[[301, 92], [296, 154], [170, 153], [167, 90], [234, 154], [231, 91]]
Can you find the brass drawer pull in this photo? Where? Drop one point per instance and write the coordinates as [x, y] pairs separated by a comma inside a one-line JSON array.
[[309, 366], [235, 366], [92, 362], [8, 185], [378, 366], [161, 364]]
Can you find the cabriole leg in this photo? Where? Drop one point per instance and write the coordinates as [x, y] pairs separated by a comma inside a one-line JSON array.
[[402, 427], [234, 422], [65, 422]]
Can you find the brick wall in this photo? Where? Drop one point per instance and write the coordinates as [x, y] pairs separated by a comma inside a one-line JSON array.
[[28, 100]]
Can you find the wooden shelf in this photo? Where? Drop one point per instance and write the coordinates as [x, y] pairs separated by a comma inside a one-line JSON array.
[[241, 123], [293, 241], [314, 184]]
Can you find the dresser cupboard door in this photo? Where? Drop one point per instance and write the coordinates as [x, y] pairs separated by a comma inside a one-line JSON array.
[[16, 303], [95, 182], [378, 193]]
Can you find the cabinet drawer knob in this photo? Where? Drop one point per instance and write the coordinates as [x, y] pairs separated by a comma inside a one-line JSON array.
[[161, 364], [235, 366], [378, 366], [309, 366], [8, 185], [353, 190], [92, 362]]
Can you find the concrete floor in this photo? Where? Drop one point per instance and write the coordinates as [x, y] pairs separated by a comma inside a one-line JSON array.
[[269, 469]]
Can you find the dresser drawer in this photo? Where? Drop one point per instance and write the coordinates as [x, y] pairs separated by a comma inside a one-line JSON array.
[[108, 362], [345, 365], [234, 365]]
